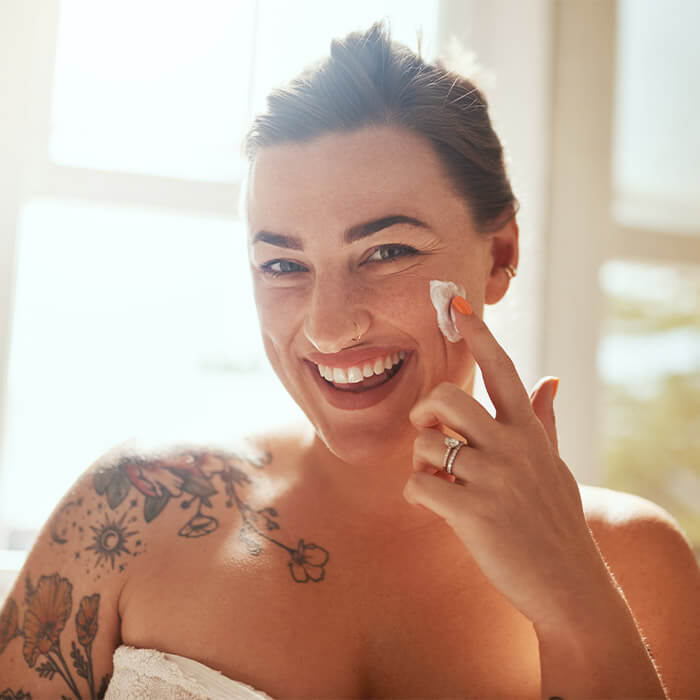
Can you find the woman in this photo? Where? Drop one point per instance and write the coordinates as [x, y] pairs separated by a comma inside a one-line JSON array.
[[340, 558]]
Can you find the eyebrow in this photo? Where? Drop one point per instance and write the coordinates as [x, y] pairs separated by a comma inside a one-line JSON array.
[[354, 233]]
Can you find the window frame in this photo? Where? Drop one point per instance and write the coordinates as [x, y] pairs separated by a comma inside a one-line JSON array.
[[29, 30], [582, 233]]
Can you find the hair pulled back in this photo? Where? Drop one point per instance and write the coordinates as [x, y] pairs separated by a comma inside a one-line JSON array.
[[370, 80]]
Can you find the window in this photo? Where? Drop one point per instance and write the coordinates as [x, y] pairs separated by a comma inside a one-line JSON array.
[[656, 146], [650, 331], [158, 88], [649, 362], [132, 310], [625, 248]]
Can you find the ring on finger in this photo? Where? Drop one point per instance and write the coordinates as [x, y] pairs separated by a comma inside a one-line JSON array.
[[451, 443], [452, 456]]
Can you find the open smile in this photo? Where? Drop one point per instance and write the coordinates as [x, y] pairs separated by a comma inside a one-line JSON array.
[[346, 390]]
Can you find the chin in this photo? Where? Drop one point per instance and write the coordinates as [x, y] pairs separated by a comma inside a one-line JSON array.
[[367, 446]]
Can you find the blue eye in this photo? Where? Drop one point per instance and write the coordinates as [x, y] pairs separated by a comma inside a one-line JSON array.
[[286, 267], [391, 251]]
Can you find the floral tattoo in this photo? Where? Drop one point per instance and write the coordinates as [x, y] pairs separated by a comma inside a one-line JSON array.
[[193, 478], [48, 609]]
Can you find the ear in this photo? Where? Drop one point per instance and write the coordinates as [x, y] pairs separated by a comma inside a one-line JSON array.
[[504, 251]]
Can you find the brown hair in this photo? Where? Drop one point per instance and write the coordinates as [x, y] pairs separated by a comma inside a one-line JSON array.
[[370, 80]]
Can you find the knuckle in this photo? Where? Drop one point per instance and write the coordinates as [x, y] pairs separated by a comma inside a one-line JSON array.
[[504, 362], [445, 389], [481, 332]]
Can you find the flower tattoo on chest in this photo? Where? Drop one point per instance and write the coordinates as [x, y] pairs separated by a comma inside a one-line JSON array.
[[132, 491]]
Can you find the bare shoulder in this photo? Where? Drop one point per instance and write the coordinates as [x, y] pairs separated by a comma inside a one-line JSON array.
[[653, 563], [59, 624], [641, 543], [185, 496], [604, 506], [185, 485], [63, 618], [624, 525]]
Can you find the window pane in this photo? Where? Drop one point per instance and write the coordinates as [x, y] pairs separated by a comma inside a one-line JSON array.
[[649, 363], [656, 166], [152, 87], [126, 322], [281, 53]]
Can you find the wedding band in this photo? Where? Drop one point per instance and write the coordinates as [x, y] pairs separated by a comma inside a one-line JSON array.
[[450, 443], [453, 456], [453, 446]]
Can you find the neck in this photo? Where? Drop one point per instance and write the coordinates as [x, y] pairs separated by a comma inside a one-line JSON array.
[[366, 498]]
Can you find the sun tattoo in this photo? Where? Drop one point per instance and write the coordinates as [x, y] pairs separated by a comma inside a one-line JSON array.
[[193, 477], [109, 541]]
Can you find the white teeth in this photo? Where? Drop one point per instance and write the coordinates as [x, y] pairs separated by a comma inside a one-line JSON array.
[[354, 375], [339, 376]]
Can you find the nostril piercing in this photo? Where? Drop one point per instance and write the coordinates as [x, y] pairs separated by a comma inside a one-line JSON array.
[[356, 339]]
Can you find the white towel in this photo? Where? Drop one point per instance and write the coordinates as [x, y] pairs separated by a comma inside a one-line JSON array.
[[149, 673]]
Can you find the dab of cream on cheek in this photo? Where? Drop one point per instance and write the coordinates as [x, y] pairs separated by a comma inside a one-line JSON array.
[[441, 294]]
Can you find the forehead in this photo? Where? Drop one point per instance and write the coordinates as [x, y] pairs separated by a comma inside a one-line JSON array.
[[347, 175]]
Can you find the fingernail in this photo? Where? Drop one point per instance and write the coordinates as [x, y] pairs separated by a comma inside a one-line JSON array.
[[556, 386], [462, 305]]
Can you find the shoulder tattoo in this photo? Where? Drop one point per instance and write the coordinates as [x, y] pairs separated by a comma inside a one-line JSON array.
[[133, 491]]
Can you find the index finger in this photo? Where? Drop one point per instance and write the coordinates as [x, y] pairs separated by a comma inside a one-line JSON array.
[[501, 379]]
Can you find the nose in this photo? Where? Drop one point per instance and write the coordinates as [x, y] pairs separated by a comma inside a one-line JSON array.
[[336, 315]]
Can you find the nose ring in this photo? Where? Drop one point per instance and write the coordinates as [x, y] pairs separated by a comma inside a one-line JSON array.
[[356, 339]]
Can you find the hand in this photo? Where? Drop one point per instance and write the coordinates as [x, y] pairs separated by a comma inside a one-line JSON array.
[[513, 502]]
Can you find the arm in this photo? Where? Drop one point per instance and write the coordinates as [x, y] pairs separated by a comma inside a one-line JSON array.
[[59, 625], [643, 638]]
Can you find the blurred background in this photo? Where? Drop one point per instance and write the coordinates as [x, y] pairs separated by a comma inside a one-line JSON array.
[[125, 299]]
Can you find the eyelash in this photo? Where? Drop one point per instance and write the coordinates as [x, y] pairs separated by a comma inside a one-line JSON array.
[[407, 251]]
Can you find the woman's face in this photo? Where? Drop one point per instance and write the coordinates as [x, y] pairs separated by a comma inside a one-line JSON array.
[[345, 234]]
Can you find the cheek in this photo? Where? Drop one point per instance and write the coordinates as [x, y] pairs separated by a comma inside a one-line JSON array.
[[275, 315], [405, 303]]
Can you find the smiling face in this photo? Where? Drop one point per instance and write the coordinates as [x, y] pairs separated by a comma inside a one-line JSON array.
[[345, 234]]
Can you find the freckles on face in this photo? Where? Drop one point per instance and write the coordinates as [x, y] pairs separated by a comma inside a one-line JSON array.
[[309, 196], [400, 309], [406, 305]]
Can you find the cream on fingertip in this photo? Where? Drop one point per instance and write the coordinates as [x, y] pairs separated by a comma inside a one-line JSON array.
[[441, 294]]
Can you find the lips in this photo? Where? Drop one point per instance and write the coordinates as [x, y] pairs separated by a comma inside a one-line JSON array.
[[367, 383], [355, 396], [361, 371]]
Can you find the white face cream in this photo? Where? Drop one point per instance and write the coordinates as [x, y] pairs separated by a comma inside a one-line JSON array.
[[441, 294]]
